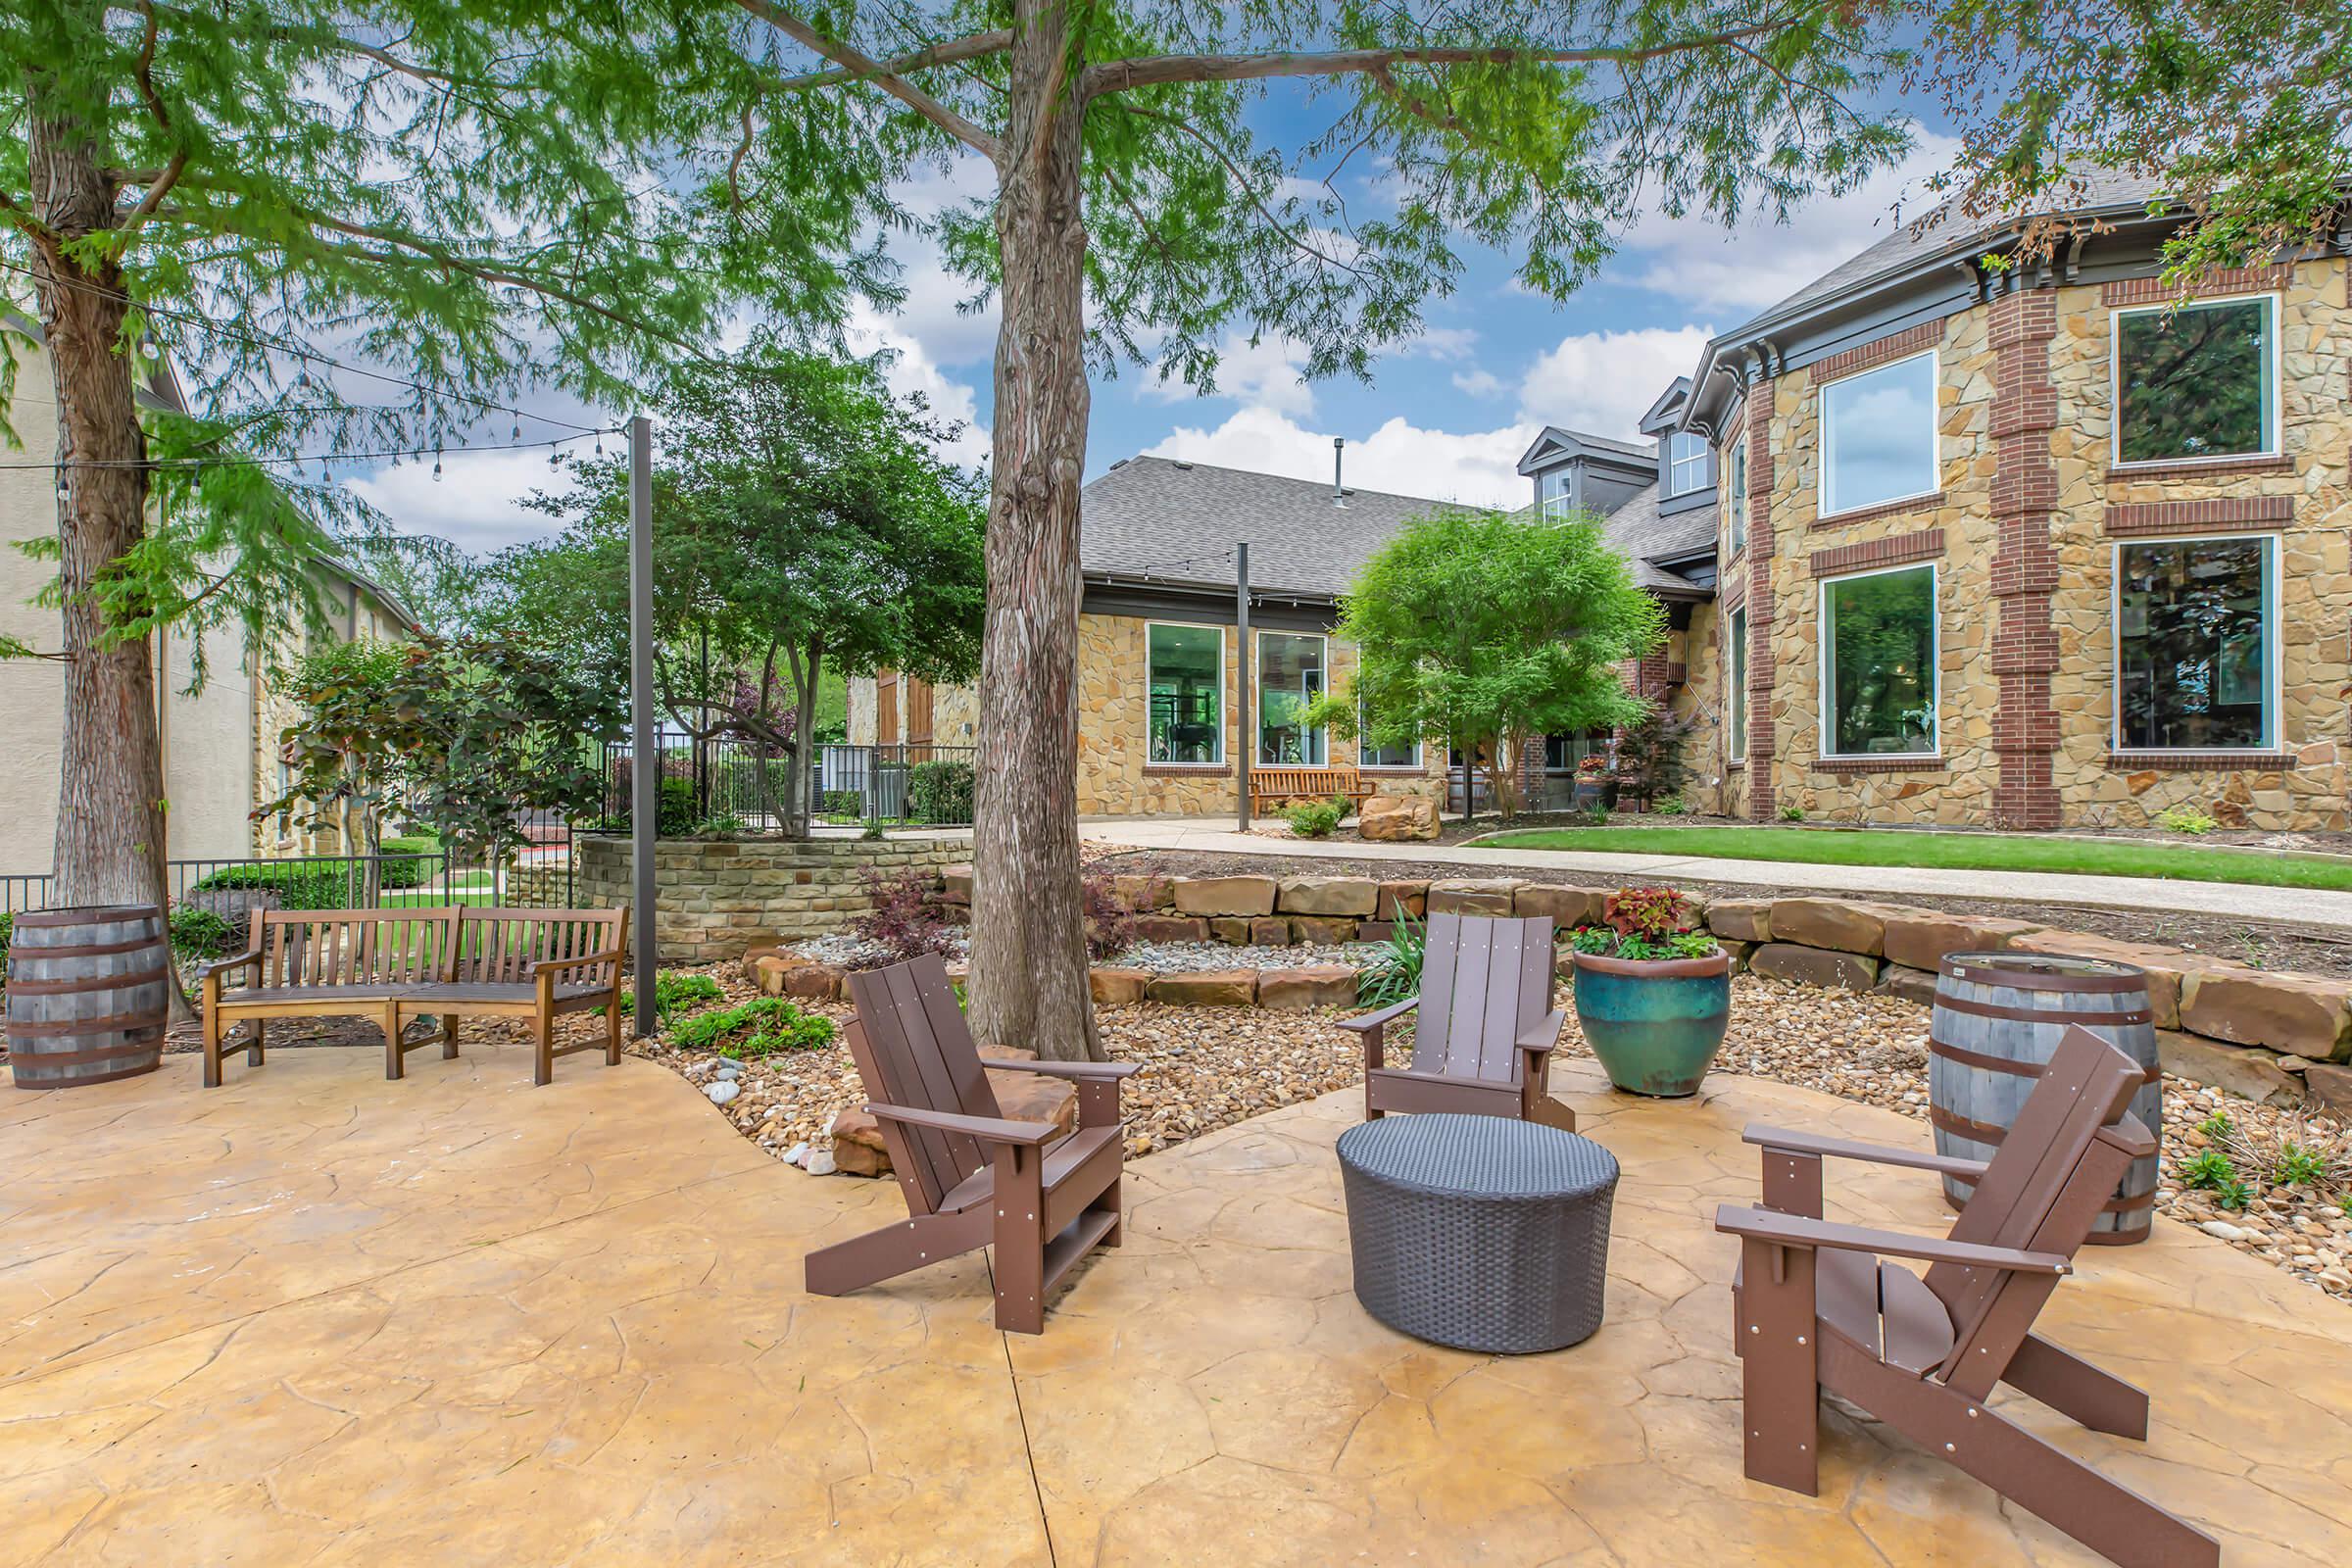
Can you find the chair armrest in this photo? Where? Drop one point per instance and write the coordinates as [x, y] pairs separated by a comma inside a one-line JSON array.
[[990, 1129], [1545, 1034], [1084, 1070], [1373, 1020], [213, 966], [1794, 1230], [559, 965], [1796, 1143]]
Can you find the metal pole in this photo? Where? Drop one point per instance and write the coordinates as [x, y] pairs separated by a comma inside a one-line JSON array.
[[1241, 615], [644, 759]]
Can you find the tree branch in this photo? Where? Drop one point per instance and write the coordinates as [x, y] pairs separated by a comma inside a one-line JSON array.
[[973, 47], [867, 68], [1240, 183]]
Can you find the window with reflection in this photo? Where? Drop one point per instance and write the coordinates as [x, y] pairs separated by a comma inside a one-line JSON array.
[[2196, 381], [1185, 678], [1289, 677], [2196, 644], [1877, 659]]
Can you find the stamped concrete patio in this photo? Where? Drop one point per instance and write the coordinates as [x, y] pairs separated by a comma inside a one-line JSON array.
[[316, 1317]]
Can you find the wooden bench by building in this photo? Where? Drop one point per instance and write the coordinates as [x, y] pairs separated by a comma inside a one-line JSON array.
[[1277, 787]]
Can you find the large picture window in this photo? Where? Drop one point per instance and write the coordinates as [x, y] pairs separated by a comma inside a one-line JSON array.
[[1685, 464], [1877, 663], [1735, 681], [1187, 686], [1290, 676], [2196, 644], [2197, 381], [1877, 436]]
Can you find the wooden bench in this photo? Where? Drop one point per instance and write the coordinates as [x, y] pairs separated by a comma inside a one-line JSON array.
[[396, 965], [1277, 787]]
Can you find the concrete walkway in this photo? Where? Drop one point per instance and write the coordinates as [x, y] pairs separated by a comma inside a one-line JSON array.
[[314, 1317], [2328, 910]]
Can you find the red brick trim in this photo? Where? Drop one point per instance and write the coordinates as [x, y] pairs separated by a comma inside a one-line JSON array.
[[1884, 509], [2201, 761], [2231, 281], [2025, 563], [1845, 765], [2200, 469], [2180, 516], [1869, 356], [1893, 551], [1761, 669]]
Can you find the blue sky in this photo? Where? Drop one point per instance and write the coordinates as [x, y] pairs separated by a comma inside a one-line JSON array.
[[1445, 417]]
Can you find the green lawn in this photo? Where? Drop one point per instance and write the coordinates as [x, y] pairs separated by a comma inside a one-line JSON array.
[[1966, 852]]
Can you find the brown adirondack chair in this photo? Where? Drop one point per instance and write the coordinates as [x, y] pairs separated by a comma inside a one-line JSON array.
[[1485, 1027], [1814, 1310], [971, 1178]]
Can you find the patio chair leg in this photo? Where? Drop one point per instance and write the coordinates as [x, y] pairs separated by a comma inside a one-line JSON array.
[[1019, 1259], [613, 1036], [212, 1048], [1779, 1389], [449, 1037], [1109, 1199], [253, 1047], [2072, 1386], [543, 1050], [394, 1067]]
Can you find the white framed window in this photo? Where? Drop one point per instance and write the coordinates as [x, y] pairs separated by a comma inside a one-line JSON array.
[[1735, 684], [1877, 663], [1735, 463], [1551, 487], [1184, 692], [2196, 380], [1879, 441], [2196, 644], [1289, 677], [1685, 463], [1368, 754]]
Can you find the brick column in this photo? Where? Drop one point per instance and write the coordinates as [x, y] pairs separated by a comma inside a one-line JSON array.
[[1760, 801], [2024, 564]]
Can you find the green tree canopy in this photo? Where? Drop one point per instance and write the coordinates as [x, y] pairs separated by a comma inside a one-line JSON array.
[[1474, 629]]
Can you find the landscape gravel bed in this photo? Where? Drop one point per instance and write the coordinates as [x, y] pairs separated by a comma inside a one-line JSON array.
[[844, 952]]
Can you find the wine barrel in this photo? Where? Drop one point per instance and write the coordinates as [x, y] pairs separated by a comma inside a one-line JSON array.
[[1998, 1017], [86, 994]]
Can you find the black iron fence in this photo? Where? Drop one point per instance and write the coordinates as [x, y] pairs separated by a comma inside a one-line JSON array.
[[537, 874], [927, 786], [740, 787]]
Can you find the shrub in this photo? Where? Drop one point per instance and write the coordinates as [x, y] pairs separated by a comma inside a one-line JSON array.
[[1651, 912], [1396, 973], [198, 933], [8, 929], [905, 920], [1650, 755], [2186, 819], [719, 825], [760, 1027], [939, 793], [2208, 1168], [673, 991], [1671, 805], [1792, 812], [841, 803], [873, 829], [1313, 820], [298, 884], [1109, 923]]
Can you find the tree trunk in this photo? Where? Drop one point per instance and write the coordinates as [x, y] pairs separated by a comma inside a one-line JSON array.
[[799, 792], [110, 817], [1028, 956]]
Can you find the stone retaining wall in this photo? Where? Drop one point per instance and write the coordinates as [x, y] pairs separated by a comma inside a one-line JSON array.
[[715, 901]]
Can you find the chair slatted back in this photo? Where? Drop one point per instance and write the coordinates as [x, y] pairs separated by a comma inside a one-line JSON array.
[[499, 945], [1484, 980], [913, 1048], [2041, 1192], [356, 947]]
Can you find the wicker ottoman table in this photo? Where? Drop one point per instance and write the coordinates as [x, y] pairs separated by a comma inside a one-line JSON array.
[[1479, 1232]]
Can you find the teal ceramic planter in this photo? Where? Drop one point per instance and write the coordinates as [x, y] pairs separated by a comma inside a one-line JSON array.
[[1654, 1023]]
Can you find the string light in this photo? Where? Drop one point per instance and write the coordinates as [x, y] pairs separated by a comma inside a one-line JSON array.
[[63, 466]]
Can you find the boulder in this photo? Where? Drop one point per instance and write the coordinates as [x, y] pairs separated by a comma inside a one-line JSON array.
[[1321, 931], [1741, 919], [1843, 925], [1271, 932], [1468, 894], [1568, 907], [1209, 988], [1911, 985], [2254, 1074], [1389, 818], [1920, 938], [1116, 987], [1142, 894], [1231, 929], [1375, 930], [1170, 928], [956, 884], [1401, 898], [2329, 1088], [2166, 968], [1353, 896], [1739, 951], [2305, 1014], [788, 974], [858, 1149], [1814, 966], [1225, 894], [1311, 986]]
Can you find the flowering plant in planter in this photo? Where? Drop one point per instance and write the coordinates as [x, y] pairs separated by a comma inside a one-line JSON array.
[[1645, 923], [1652, 990]]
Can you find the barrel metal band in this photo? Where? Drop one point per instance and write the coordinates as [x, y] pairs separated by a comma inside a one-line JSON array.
[[85, 986], [27, 952], [28, 1029], [96, 914], [2011, 1011], [84, 1080], [142, 1045], [2008, 1065], [2022, 979]]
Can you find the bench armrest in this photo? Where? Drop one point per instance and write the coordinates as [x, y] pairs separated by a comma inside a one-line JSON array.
[[612, 956], [1789, 1141], [989, 1129], [1373, 1020], [1794, 1230], [1545, 1034], [213, 966], [1082, 1070]]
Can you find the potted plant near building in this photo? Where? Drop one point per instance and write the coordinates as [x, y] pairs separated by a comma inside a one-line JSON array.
[[1653, 991], [1595, 783]]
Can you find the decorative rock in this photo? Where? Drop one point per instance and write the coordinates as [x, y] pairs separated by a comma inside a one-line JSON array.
[[1838, 924], [1142, 894], [1117, 987], [857, 1148], [2329, 1088], [2166, 967], [1225, 894], [1271, 932], [768, 970], [1322, 985], [1353, 896], [1920, 938], [724, 1090], [2251, 1073], [1170, 928], [1472, 896], [1392, 817], [730, 1071], [1209, 988], [1568, 907], [813, 982], [956, 884], [1406, 898], [798, 1155], [821, 1163], [1912, 985], [2305, 1014], [1813, 966], [1318, 931], [1230, 929], [1741, 919], [1375, 930], [1742, 953], [2223, 1230]]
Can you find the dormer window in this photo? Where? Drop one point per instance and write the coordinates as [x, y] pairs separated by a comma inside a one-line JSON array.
[[1685, 464], [1558, 503]]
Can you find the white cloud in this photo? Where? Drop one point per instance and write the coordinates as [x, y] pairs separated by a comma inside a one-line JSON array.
[[1263, 375], [1761, 261], [1603, 382], [913, 370], [1479, 467], [476, 504], [1480, 383]]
